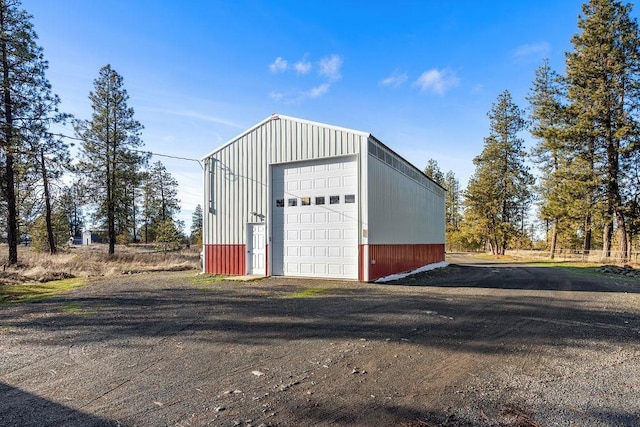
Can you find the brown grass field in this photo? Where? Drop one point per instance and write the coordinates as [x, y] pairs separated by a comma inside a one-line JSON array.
[[93, 261]]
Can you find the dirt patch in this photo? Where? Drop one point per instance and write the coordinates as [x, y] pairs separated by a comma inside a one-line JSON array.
[[469, 345]]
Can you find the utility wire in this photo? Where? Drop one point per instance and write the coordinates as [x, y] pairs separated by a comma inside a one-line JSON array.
[[133, 149]]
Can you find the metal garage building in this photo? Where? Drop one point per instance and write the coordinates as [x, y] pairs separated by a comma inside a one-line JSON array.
[[294, 197]]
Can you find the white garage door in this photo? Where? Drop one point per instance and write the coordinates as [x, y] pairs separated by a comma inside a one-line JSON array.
[[315, 219]]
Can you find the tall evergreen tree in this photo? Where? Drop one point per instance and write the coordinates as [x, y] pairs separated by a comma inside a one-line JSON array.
[[432, 170], [603, 73], [161, 201], [556, 189], [71, 204], [108, 150], [452, 201], [196, 225], [498, 192], [26, 102]]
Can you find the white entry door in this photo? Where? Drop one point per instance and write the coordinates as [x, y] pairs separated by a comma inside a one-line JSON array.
[[256, 249]]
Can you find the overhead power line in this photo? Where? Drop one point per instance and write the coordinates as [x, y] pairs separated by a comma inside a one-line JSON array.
[[137, 151]]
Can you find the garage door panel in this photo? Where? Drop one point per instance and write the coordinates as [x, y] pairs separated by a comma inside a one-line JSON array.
[[312, 236], [320, 234], [335, 182]]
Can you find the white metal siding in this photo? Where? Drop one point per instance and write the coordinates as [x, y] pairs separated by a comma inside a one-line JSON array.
[[400, 209], [241, 168]]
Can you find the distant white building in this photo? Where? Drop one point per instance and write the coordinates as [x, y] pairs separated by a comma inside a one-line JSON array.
[[87, 238], [292, 197]]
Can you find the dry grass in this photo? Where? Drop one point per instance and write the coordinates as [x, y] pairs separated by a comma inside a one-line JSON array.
[[90, 261]]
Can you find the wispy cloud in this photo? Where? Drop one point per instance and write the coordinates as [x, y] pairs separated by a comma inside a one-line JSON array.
[[198, 116], [276, 96], [279, 65], [395, 79], [437, 81], [330, 67], [302, 67], [318, 90], [532, 49]]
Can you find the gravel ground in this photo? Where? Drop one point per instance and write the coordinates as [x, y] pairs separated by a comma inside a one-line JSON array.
[[472, 344]]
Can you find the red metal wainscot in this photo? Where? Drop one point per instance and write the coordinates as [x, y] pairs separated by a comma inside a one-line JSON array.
[[225, 259], [391, 259]]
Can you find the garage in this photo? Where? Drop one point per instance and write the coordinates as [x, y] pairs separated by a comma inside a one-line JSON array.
[[315, 218], [298, 198]]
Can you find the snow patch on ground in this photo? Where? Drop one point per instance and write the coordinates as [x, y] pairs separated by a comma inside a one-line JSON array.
[[424, 268]]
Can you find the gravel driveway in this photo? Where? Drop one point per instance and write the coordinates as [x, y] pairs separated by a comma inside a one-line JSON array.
[[473, 344]]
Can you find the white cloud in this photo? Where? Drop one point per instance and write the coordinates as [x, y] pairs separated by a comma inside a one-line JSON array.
[[279, 65], [302, 67], [318, 90], [532, 49], [477, 88], [198, 116], [276, 96], [330, 67], [395, 79], [436, 81]]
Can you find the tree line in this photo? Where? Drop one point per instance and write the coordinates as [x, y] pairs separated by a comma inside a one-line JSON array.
[[587, 131], [130, 199]]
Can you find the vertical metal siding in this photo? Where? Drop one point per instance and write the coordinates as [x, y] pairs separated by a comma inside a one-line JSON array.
[[391, 259], [225, 259], [401, 210], [241, 176]]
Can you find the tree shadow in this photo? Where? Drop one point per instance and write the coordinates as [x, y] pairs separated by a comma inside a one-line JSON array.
[[23, 409], [136, 318], [482, 323]]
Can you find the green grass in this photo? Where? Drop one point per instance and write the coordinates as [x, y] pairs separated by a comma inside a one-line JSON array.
[[77, 308], [308, 293], [205, 279], [11, 294]]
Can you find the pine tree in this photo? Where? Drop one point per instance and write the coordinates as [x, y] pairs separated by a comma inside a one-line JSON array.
[[196, 226], [70, 202], [603, 73], [498, 193], [26, 104], [161, 201], [452, 201], [168, 235], [549, 124], [432, 170], [109, 150]]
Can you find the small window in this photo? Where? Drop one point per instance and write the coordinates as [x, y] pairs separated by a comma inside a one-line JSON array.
[[292, 202], [320, 200], [350, 198], [280, 203], [334, 200], [305, 201]]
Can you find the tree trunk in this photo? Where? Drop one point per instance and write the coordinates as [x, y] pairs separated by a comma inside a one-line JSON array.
[[586, 243], [554, 239], [133, 198], [607, 233], [111, 214], [12, 215], [621, 232], [47, 205], [12, 211]]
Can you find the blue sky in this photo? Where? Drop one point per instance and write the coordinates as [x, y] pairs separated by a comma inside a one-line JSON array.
[[419, 75]]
